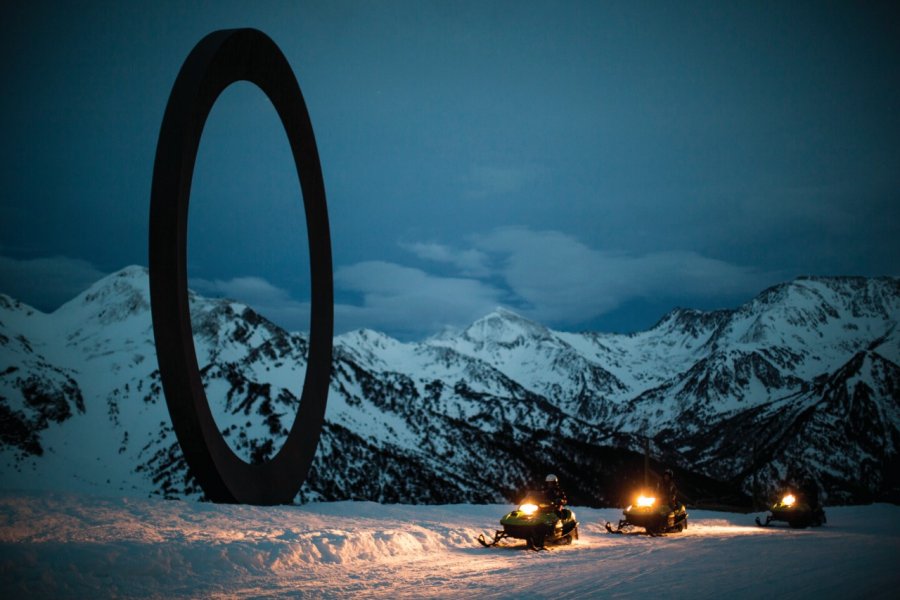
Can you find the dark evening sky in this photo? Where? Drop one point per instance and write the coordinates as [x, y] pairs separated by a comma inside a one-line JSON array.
[[589, 165]]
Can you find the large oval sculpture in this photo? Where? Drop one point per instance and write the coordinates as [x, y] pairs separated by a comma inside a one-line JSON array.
[[217, 61]]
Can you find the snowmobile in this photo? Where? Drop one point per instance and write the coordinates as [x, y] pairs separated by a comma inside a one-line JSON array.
[[796, 512], [536, 521], [655, 517]]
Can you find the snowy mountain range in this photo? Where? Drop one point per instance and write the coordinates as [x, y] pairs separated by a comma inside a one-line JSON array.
[[803, 379]]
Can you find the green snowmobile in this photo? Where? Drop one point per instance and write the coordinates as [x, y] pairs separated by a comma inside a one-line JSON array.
[[797, 513], [655, 517], [536, 521]]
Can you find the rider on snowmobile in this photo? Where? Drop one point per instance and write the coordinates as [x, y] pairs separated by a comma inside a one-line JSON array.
[[554, 493], [809, 492], [666, 490]]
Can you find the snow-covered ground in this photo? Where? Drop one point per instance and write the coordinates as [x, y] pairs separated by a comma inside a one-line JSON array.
[[73, 545]]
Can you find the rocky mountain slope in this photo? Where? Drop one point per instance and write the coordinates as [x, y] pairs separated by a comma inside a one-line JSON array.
[[802, 379]]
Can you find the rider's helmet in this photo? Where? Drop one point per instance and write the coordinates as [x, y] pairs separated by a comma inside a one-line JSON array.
[[668, 473], [551, 479]]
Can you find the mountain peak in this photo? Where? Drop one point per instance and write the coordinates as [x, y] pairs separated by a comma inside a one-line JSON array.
[[365, 336], [503, 326], [113, 298], [503, 312], [817, 303]]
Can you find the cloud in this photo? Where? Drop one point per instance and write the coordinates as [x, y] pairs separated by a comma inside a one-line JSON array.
[[400, 300], [563, 281], [46, 283], [406, 301], [471, 262], [274, 303], [549, 276], [245, 289]]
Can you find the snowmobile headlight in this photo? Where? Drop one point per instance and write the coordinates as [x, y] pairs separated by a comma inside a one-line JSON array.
[[645, 501], [528, 508], [788, 500]]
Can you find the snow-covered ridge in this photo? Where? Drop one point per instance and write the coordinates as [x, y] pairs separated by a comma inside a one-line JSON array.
[[472, 414]]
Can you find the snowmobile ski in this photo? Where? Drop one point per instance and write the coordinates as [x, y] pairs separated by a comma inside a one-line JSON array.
[[498, 535]]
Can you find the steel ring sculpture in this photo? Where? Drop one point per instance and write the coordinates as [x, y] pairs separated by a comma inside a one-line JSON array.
[[217, 61]]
